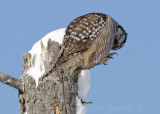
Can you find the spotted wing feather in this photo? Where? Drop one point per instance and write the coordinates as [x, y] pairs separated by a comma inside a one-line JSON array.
[[80, 34]]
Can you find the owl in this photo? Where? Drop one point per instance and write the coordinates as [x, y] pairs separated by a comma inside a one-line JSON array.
[[92, 36]]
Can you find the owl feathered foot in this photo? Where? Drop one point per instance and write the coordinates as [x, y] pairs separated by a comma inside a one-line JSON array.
[[110, 56]]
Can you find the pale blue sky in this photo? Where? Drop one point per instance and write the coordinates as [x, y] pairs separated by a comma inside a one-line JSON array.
[[129, 84]]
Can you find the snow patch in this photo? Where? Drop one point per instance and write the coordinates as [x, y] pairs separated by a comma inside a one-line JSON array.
[[80, 108], [56, 35], [83, 84], [83, 88], [38, 69]]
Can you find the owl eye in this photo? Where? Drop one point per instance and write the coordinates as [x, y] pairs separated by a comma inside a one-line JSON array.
[[115, 41]]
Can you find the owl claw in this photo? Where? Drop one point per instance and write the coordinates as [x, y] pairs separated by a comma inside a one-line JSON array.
[[114, 53], [111, 54], [110, 57]]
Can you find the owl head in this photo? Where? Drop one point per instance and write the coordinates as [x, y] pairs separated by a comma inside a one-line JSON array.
[[120, 38]]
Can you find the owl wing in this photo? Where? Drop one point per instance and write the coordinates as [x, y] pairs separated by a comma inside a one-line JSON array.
[[80, 34], [85, 31]]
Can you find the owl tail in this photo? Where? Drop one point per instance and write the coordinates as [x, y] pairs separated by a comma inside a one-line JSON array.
[[50, 71], [59, 62]]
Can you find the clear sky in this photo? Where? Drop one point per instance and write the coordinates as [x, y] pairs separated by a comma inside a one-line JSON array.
[[129, 84]]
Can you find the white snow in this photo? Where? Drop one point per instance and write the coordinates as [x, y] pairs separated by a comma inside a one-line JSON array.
[[83, 84], [83, 88], [56, 35], [38, 70], [80, 108]]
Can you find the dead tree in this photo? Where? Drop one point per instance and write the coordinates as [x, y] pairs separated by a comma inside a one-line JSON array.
[[55, 94]]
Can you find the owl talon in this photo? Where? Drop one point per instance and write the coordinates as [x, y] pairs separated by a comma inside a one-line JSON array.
[[114, 53], [111, 54], [109, 57]]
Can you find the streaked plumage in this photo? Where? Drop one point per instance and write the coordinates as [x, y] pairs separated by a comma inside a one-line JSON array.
[[92, 36]]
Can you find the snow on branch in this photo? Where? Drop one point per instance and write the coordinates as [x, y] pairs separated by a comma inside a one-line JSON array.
[[11, 81], [37, 70]]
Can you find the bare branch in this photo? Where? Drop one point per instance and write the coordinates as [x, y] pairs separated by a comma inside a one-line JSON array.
[[11, 81]]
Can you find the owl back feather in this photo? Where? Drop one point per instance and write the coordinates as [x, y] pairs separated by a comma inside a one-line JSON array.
[[87, 31]]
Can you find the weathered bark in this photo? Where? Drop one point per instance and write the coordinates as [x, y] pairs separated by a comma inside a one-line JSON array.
[[11, 81], [56, 93]]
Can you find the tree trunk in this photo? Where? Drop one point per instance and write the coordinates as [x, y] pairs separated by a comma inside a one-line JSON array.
[[56, 93]]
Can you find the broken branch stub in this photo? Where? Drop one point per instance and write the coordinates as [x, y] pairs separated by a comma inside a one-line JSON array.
[[54, 94]]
